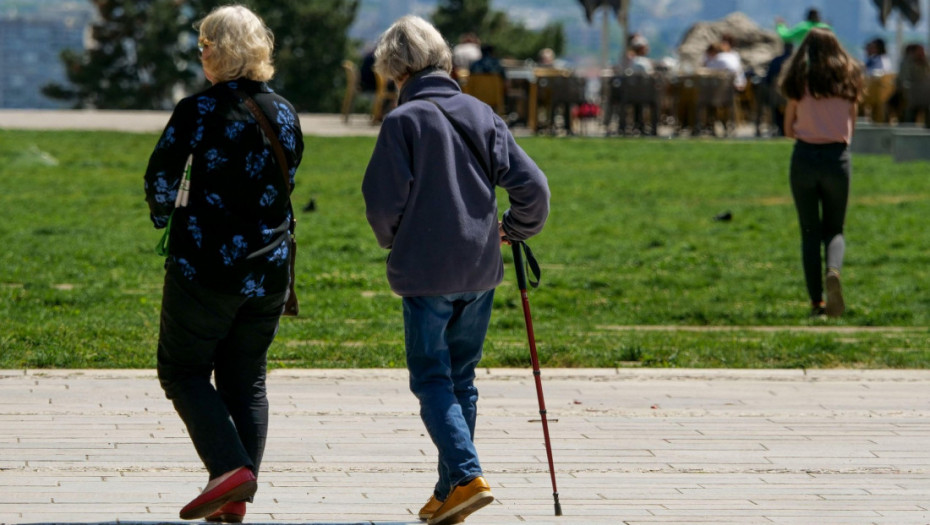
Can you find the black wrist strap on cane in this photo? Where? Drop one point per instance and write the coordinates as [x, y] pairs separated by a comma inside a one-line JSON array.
[[524, 260]]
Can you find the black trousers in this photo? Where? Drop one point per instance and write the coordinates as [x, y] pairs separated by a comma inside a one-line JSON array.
[[820, 176], [205, 333]]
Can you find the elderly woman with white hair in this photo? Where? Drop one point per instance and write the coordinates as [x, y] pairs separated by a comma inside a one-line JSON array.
[[227, 271], [429, 192]]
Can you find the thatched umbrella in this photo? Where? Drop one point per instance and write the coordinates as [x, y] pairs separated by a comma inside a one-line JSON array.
[[907, 9], [621, 8], [590, 6]]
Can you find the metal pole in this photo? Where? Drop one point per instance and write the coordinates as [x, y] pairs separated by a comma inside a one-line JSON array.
[[605, 38]]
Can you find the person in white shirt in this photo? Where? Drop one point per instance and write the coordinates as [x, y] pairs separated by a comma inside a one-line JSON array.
[[721, 56], [877, 62], [639, 62], [466, 52]]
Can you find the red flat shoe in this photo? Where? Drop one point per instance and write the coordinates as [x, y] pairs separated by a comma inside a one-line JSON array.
[[232, 512], [239, 486]]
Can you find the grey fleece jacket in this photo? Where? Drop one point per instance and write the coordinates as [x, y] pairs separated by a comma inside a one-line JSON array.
[[430, 202]]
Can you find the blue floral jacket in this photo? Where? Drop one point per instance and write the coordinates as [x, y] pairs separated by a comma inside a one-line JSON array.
[[238, 201]]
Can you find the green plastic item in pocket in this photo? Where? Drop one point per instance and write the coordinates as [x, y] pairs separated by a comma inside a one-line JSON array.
[[162, 247], [181, 201]]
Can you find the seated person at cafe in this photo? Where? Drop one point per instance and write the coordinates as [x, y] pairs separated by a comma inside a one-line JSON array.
[[466, 52], [366, 73], [488, 63], [720, 56], [639, 61], [546, 58], [877, 62], [913, 70], [774, 102]]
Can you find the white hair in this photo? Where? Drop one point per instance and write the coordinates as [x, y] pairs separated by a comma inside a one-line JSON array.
[[411, 45]]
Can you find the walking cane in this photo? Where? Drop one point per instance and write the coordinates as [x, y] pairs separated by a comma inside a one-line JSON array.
[[518, 249]]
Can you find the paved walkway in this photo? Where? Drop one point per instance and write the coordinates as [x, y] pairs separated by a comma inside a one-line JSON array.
[[311, 124], [154, 121], [631, 446]]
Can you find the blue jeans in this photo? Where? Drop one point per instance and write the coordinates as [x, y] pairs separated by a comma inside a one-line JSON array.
[[444, 337]]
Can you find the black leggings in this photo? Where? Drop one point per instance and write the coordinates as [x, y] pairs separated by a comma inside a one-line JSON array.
[[820, 186], [204, 333]]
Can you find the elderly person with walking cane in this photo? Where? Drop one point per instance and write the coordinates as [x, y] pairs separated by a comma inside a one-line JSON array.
[[429, 191]]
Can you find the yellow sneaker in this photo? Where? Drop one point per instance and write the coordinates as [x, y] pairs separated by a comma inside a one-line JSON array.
[[429, 509], [463, 500]]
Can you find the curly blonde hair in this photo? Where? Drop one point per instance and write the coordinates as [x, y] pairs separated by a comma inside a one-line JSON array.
[[240, 42]]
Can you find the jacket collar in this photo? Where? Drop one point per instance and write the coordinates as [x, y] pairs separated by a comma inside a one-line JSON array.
[[247, 85], [427, 83]]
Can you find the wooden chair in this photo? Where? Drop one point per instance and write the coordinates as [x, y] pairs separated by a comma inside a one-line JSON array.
[[552, 89], [352, 87], [878, 91], [634, 92], [917, 101], [385, 99], [488, 88], [683, 91], [382, 97], [716, 100]]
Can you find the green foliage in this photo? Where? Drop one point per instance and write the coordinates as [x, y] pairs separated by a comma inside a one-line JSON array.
[[139, 56], [511, 39], [311, 41], [146, 50], [635, 270]]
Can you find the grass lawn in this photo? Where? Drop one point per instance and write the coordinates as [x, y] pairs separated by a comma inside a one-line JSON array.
[[636, 271]]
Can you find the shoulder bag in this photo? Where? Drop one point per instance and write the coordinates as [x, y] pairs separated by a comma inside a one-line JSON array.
[[292, 306]]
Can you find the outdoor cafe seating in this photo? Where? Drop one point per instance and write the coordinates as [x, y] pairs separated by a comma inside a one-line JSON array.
[[703, 99], [489, 88], [548, 100], [878, 92], [554, 90], [633, 93]]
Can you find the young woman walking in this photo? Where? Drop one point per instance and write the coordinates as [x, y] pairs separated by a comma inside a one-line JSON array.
[[823, 85]]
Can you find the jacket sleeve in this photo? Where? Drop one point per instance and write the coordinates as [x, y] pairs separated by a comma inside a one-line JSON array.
[[527, 190], [166, 166], [792, 34], [387, 182]]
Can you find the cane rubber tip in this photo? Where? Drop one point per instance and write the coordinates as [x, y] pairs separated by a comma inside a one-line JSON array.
[[558, 506]]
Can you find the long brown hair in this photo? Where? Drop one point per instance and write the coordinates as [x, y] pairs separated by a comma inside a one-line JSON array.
[[822, 67]]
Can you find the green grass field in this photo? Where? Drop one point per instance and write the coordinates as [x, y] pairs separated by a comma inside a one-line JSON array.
[[635, 270]]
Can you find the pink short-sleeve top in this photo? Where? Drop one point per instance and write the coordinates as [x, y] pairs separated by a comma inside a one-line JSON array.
[[823, 120]]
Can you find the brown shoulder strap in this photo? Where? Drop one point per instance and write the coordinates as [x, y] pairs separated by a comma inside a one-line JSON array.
[[269, 132]]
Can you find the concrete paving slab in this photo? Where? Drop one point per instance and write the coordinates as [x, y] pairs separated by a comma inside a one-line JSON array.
[[631, 446]]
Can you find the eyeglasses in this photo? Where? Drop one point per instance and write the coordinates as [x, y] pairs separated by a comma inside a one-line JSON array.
[[203, 43]]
